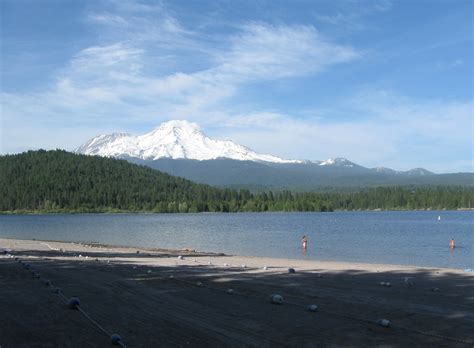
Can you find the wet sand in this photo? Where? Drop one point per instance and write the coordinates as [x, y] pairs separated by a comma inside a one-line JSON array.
[[153, 298]]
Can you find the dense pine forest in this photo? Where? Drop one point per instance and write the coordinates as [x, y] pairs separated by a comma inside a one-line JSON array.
[[58, 181]]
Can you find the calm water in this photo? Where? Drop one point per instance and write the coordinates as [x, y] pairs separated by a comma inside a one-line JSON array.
[[412, 238]]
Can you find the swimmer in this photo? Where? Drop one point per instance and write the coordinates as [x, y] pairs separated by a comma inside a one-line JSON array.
[[452, 243], [304, 241]]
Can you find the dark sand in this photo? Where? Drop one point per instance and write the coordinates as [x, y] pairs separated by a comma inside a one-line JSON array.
[[153, 310]]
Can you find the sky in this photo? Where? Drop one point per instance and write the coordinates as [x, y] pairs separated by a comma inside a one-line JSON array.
[[381, 83]]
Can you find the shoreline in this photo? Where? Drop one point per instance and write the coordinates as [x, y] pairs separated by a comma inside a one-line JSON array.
[[77, 247], [183, 298], [46, 212]]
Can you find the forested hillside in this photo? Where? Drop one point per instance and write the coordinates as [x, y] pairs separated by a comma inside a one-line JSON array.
[[58, 181]]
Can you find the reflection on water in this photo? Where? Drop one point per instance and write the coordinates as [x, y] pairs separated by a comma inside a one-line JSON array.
[[414, 238]]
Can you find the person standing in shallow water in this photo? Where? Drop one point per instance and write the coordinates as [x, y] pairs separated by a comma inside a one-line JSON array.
[[452, 243], [304, 241]]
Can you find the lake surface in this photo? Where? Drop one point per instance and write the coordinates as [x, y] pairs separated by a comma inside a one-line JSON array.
[[409, 238]]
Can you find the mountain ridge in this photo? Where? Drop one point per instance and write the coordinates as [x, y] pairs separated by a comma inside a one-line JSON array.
[[178, 139]]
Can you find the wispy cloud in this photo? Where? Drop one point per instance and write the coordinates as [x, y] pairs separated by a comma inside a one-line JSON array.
[[117, 82]]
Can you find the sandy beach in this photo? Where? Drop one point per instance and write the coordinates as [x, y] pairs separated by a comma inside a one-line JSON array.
[[154, 297]]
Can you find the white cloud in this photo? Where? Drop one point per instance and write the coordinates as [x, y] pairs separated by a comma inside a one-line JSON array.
[[395, 131]]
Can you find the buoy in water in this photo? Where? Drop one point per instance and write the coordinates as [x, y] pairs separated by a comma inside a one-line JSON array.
[[149, 271], [171, 276], [199, 284], [230, 291], [276, 299], [313, 308]]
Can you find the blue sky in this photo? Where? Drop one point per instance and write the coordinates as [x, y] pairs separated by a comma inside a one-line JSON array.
[[382, 83]]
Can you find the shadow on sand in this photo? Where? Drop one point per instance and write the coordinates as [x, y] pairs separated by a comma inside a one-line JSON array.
[[187, 303]]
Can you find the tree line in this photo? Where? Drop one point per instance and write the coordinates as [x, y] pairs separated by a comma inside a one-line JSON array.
[[59, 181]]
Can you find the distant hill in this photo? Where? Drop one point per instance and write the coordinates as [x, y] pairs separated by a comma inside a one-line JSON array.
[[296, 177], [59, 181]]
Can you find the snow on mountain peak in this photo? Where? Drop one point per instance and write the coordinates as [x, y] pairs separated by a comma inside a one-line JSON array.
[[174, 139], [339, 161]]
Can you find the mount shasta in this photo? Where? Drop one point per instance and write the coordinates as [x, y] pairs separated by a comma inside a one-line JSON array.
[[180, 148]]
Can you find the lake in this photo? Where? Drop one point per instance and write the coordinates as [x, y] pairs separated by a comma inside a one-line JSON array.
[[408, 238]]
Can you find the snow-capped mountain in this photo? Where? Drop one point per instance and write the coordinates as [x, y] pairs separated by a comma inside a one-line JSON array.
[[180, 140], [184, 140], [180, 148]]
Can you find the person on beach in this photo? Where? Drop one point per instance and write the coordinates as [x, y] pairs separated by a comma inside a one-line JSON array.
[[452, 243], [304, 241]]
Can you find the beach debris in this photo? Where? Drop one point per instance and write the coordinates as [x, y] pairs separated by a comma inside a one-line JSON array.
[[134, 267], [276, 299], [73, 303], [384, 322], [291, 270], [108, 261], [209, 263], [115, 339], [313, 308], [180, 257], [226, 265], [265, 268], [409, 282], [319, 275], [382, 283], [199, 283], [230, 291], [435, 289], [244, 266], [80, 255], [138, 251], [171, 276], [149, 271], [386, 284], [194, 260], [97, 259]]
